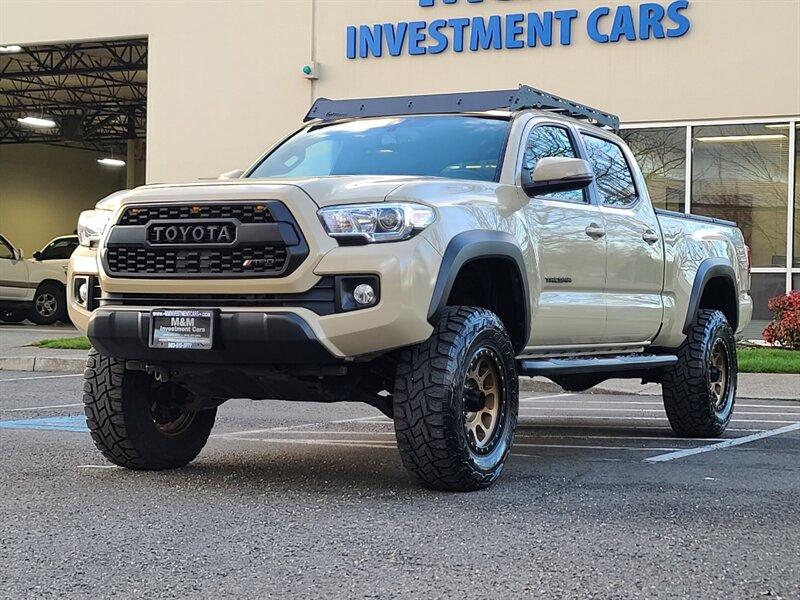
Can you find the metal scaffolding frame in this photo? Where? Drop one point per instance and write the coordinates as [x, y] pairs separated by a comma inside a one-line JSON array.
[[95, 91]]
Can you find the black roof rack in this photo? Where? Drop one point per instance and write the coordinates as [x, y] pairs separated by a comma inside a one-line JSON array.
[[520, 99]]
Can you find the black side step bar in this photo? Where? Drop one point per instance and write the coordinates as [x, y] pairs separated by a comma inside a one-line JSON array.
[[593, 365]]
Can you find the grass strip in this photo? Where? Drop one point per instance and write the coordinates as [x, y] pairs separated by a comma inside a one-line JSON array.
[[71, 343], [769, 360]]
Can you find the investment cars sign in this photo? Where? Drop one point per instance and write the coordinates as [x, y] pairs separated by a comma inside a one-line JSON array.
[[517, 30]]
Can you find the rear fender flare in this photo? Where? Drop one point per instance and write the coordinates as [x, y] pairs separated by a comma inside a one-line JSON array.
[[710, 268]]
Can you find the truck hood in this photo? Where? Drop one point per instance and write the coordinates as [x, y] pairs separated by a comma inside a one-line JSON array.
[[324, 191]]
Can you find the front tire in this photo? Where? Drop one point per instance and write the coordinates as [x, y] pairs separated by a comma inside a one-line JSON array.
[[456, 400], [12, 316], [49, 304], [136, 422], [700, 390]]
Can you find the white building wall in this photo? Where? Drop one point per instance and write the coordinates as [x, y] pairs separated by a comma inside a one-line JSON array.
[[224, 77]]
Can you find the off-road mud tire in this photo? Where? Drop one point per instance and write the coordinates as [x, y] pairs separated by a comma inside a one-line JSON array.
[[117, 408], [430, 406], [692, 408]]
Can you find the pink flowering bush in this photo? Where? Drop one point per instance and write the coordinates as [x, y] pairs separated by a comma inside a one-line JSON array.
[[785, 327]]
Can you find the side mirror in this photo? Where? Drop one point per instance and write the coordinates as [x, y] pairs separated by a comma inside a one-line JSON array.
[[556, 174], [18, 254], [237, 174], [37, 255]]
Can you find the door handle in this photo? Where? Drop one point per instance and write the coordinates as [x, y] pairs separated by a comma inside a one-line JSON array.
[[595, 231], [650, 236]]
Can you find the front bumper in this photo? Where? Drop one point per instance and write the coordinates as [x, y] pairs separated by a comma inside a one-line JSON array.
[[244, 338]]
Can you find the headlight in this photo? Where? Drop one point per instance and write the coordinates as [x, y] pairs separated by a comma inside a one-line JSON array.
[[91, 225], [376, 222]]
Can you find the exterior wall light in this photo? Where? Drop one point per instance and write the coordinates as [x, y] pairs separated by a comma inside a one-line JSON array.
[[311, 71]]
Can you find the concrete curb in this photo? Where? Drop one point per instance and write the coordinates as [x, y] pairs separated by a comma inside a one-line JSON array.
[[49, 364]]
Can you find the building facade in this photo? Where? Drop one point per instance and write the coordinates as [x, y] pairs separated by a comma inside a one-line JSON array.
[[708, 90]]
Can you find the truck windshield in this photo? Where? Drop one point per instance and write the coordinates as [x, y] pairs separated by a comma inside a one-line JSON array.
[[458, 147]]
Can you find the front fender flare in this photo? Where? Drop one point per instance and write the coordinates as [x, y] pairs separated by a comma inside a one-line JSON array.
[[469, 246]]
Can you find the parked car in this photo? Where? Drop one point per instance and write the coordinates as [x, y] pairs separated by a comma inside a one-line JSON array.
[[417, 254], [35, 288]]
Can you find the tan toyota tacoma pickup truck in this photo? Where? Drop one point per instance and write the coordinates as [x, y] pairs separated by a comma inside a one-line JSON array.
[[419, 254]]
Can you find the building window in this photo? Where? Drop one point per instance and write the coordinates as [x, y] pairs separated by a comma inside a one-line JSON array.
[[796, 259], [741, 173], [764, 287], [661, 154]]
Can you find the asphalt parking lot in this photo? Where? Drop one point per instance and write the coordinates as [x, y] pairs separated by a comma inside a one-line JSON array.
[[308, 501]]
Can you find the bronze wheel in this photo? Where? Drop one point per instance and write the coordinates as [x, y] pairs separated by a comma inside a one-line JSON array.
[[171, 422], [484, 396], [719, 374]]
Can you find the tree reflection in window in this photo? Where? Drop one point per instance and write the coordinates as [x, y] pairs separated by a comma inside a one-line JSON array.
[[611, 171], [550, 141], [661, 154], [741, 173]]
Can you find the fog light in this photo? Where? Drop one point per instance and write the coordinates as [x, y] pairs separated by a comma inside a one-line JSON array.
[[364, 294], [80, 290]]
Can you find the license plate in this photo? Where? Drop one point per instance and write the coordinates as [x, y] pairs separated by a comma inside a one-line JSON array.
[[182, 329]]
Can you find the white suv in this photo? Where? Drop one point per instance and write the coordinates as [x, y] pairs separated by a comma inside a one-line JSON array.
[[35, 288]]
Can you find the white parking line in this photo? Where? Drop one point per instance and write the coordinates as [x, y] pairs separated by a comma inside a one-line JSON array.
[[519, 436], [616, 419], [303, 426], [651, 410], [387, 444], [787, 404], [54, 406], [42, 377], [320, 432], [536, 423], [546, 397], [320, 442], [625, 438], [583, 447], [721, 445]]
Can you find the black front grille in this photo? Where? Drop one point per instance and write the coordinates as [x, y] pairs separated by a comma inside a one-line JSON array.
[[211, 261], [262, 239], [246, 213], [321, 299]]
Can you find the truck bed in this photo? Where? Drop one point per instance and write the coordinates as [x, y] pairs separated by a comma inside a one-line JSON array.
[[679, 215]]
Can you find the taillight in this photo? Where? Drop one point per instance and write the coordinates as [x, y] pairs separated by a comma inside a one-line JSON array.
[[749, 257]]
